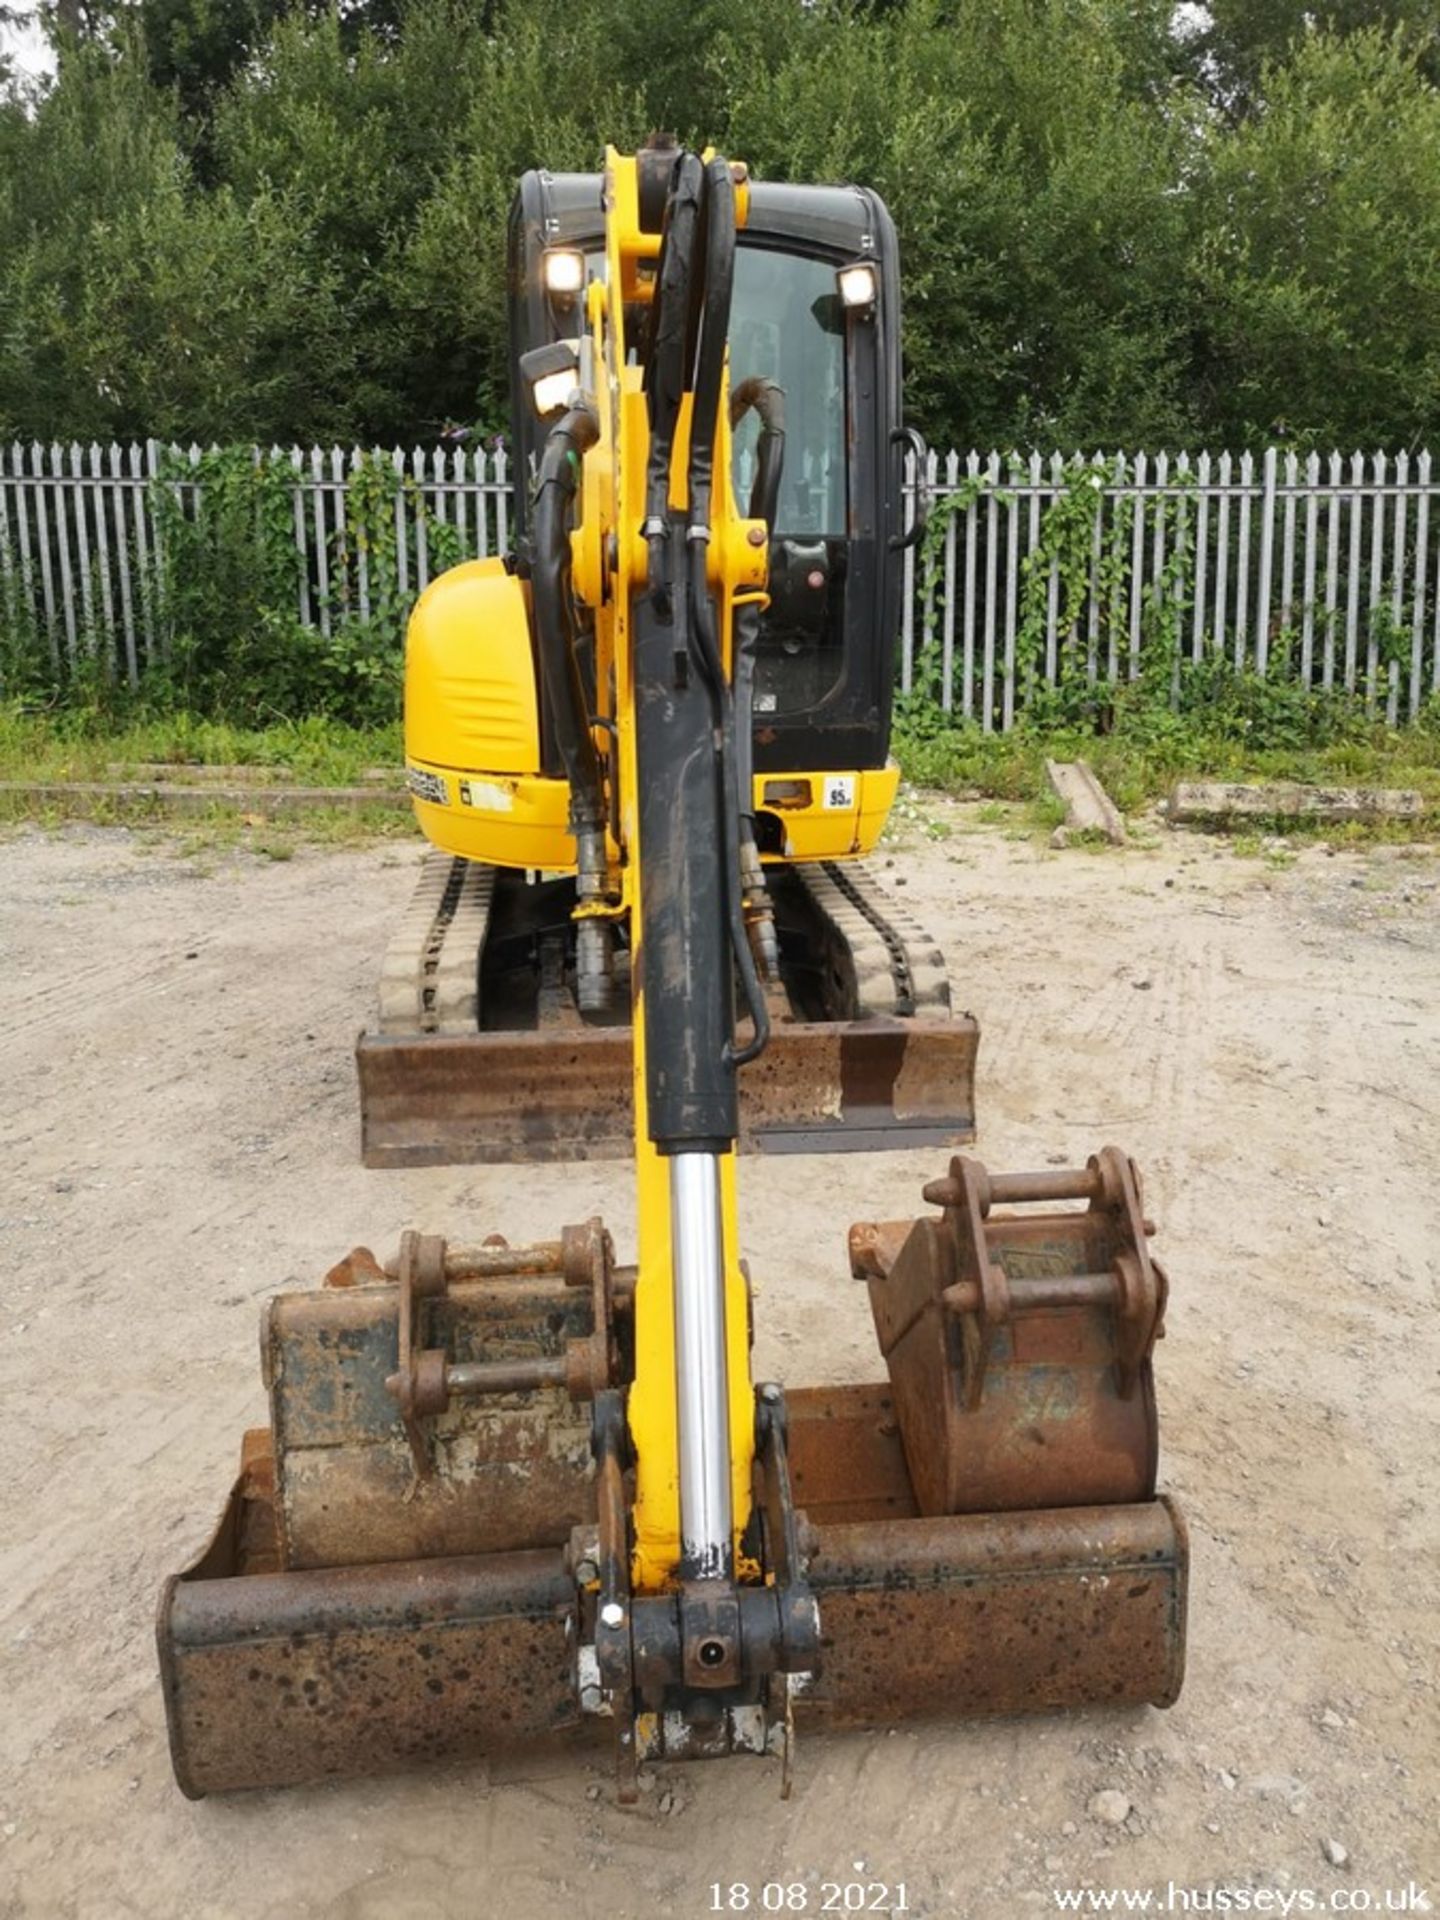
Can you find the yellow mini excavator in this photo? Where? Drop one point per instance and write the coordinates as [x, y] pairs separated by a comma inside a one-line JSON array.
[[511, 1493], [503, 1028]]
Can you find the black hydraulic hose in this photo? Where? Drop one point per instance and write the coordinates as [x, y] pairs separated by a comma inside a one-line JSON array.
[[719, 268], [719, 257], [669, 350], [566, 445], [768, 400], [724, 704]]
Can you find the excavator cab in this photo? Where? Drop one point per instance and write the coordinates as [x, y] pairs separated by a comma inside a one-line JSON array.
[[816, 313], [510, 1492]]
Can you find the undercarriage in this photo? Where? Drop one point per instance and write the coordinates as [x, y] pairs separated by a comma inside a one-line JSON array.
[[481, 1053]]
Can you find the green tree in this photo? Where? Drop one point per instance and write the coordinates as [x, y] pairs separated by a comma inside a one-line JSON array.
[[131, 301], [1317, 271], [1241, 38], [1043, 244]]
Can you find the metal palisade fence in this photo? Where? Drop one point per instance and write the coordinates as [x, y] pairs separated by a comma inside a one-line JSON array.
[[1034, 570]]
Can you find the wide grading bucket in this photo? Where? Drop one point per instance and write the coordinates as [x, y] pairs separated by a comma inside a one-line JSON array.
[[276, 1678], [401, 1570]]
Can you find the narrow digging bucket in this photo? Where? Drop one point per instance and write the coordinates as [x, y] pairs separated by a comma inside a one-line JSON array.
[[565, 1093]]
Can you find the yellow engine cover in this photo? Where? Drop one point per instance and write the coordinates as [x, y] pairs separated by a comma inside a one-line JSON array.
[[472, 724]]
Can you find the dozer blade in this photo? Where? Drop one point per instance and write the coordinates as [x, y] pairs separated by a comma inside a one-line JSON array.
[[566, 1094], [480, 1053], [980, 1534]]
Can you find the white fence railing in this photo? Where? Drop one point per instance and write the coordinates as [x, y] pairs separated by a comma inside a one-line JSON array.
[[1320, 567], [82, 536], [1035, 569]]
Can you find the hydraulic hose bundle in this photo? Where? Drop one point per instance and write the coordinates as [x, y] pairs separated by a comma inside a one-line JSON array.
[[686, 349]]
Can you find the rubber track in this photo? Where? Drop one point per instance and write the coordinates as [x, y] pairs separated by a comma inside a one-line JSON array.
[[899, 968], [429, 977]]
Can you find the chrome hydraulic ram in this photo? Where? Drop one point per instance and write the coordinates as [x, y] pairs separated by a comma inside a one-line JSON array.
[[706, 1517]]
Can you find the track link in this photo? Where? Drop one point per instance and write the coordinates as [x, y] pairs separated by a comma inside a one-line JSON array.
[[883, 963], [430, 975], [899, 970]]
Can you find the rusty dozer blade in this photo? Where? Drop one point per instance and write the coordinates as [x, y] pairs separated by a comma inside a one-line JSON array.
[[426, 1555], [822, 1086], [481, 1054]]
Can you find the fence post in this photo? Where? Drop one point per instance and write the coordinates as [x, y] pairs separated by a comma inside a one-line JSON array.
[[1397, 585], [909, 493], [1012, 580], [1242, 558], [1267, 564], [1377, 585], [972, 534], [929, 569], [7, 556], [1307, 609], [1287, 562], [361, 543], [102, 557], [1202, 553], [947, 642], [1157, 545], [992, 562], [122, 564], [1052, 585], [161, 637], [1332, 565], [1352, 600], [502, 501], [1422, 537], [402, 530], [1182, 534], [27, 572]]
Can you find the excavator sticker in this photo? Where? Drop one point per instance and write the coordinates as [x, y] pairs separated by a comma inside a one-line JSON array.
[[427, 786]]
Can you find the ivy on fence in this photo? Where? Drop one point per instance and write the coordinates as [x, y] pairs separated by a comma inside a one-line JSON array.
[[246, 584]]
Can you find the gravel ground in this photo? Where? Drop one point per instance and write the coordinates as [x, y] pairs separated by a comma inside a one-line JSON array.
[[178, 1139]]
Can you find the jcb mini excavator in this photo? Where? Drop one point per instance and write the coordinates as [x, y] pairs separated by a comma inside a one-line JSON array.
[[509, 1493], [503, 1029]]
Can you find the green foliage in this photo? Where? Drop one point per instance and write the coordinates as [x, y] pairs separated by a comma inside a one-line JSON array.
[[1316, 281], [83, 742], [230, 589], [272, 220], [279, 220]]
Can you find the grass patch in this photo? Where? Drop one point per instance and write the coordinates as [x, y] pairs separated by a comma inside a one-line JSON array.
[[82, 744], [1225, 728]]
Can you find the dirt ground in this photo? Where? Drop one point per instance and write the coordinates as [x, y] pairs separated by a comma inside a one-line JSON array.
[[178, 1138]]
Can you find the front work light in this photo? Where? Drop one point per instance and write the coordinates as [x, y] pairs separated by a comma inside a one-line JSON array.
[[858, 285], [552, 374], [563, 270]]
